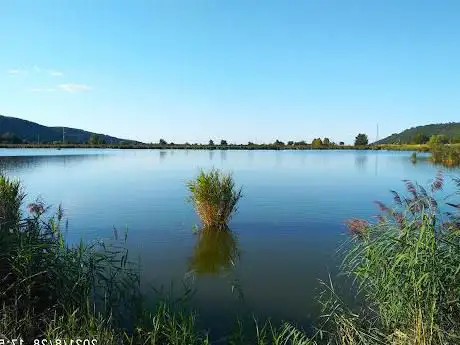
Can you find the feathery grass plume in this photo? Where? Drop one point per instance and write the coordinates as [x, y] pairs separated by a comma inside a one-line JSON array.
[[407, 269], [214, 197]]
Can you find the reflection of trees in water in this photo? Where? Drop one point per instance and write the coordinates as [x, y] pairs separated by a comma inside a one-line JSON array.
[[223, 155], [361, 161], [215, 252], [162, 155], [211, 154], [12, 163]]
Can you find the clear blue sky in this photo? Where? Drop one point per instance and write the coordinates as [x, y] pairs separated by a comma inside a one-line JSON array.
[[242, 70]]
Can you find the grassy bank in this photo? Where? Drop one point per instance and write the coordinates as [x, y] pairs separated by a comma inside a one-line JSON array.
[[406, 267]]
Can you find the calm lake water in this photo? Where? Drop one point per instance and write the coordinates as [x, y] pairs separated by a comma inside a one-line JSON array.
[[288, 228]]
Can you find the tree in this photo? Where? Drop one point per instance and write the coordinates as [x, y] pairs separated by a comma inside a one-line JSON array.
[[211, 142], [361, 140], [96, 139], [223, 142], [341, 143], [290, 143], [326, 142], [455, 139], [93, 139], [162, 142], [438, 139], [317, 142], [420, 138], [250, 143], [278, 143]]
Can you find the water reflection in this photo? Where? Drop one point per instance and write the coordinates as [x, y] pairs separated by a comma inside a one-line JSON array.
[[211, 154], [215, 252], [162, 155], [361, 161], [223, 155], [12, 163]]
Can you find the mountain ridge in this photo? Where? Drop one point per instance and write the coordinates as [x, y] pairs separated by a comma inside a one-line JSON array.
[[17, 130], [408, 136]]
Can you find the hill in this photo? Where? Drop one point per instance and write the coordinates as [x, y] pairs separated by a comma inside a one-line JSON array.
[[15, 130], [420, 133]]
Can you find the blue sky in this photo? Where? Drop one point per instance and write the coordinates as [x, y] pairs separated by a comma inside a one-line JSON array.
[[242, 70]]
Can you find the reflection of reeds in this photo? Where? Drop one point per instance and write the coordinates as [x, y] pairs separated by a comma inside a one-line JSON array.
[[214, 196], [216, 251]]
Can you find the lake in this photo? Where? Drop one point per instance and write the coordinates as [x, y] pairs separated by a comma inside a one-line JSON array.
[[289, 225]]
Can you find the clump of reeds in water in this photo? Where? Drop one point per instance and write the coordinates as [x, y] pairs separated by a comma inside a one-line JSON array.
[[214, 197], [447, 155], [413, 158]]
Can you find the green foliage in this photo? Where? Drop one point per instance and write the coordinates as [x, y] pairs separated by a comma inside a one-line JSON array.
[[223, 142], [361, 140], [278, 143], [214, 197], [447, 155], [406, 266], [211, 142], [450, 130], [341, 143], [163, 142], [316, 143], [11, 197], [97, 139], [326, 142], [420, 138], [438, 139]]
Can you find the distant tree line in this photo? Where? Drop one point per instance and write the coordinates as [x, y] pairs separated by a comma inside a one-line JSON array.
[[360, 140]]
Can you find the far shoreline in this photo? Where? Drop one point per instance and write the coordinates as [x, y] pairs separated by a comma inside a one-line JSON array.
[[387, 147]]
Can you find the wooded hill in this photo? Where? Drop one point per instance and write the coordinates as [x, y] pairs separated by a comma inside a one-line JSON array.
[[421, 134], [16, 131]]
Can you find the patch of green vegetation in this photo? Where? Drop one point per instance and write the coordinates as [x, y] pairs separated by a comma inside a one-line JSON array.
[[406, 266], [214, 197], [422, 134], [446, 155]]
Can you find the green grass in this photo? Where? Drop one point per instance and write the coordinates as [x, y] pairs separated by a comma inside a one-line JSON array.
[[214, 197], [407, 270]]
